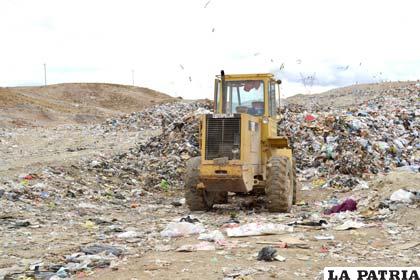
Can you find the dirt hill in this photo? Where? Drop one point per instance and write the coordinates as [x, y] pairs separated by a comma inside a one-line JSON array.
[[350, 95], [72, 103]]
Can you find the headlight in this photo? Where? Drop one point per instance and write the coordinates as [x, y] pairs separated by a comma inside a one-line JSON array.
[[235, 153], [265, 120]]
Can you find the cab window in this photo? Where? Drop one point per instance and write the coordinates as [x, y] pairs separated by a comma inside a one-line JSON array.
[[245, 96], [216, 95], [272, 105]]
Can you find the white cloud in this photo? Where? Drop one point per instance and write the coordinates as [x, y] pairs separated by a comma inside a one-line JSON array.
[[101, 41]]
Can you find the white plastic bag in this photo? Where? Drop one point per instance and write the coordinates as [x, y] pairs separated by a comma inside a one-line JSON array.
[[213, 236], [177, 229], [349, 224], [253, 229], [402, 196]]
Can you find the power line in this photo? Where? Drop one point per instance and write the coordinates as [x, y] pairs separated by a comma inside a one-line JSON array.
[[45, 73], [132, 76]]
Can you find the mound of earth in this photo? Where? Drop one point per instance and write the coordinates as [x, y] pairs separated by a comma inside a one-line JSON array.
[[350, 95], [72, 103]]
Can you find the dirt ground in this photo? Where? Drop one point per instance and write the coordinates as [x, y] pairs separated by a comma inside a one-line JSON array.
[[374, 246], [59, 195], [390, 238], [72, 103], [25, 149]]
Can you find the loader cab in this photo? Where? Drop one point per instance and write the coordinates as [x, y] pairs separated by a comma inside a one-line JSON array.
[[256, 94]]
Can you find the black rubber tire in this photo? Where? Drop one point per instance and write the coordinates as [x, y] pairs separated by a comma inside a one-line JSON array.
[[279, 184], [195, 198], [295, 182], [218, 197]]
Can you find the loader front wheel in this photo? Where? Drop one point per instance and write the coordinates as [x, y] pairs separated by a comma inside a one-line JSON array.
[[279, 184], [195, 198]]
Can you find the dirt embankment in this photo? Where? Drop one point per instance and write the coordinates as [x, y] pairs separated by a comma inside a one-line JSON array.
[[72, 103], [350, 95]]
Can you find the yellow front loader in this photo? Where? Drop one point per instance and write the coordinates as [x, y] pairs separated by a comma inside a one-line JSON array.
[[240, 148]]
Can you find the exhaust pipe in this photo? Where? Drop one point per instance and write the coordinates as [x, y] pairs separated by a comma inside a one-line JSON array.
[[224, 97]]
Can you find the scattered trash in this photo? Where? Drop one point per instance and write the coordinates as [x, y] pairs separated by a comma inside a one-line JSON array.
[[129, 234], [236, 272], [267, 254], [369, 135], [213, 236], [97, 249], [293, 242], [320, 223], [280, 258], [30, 177], [303, 258], [324, 237], [350, 225], [202, 246], [408, 245], [178, 229], [310, 118], [274, 244], [287, 242], [123, 197], [324, 249], [176, 203], [188, 219], [347, 205], [363, 185], [402, 196], [19, 224], [253, 229], [164, 185], [62, 272]]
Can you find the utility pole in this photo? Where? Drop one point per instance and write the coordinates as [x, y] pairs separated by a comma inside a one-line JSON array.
[[45, 74], [132, 76]]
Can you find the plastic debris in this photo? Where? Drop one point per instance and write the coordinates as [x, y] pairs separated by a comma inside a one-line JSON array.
[[62, 272], [129, 234], [402, 196], [202, 246], [350, 225], [254, 229], [234, 273], [188, 219], [96, 249], [319, 223], [178, 229], [347, 205], [212, 236], [267, 254], [287, 242], [324, 237]]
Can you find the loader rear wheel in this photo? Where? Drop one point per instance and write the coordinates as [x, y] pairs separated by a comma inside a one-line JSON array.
[[279, 184], [195, 198], [295, 182]]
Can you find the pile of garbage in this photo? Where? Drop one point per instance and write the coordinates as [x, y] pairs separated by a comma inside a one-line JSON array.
[[168, 115], [368, 138], [375, 136], [159, 161]]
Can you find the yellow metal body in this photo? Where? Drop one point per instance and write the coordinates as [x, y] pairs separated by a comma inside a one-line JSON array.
[[259, 141]]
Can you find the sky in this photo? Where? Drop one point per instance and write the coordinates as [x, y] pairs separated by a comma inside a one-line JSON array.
[[177, 47]]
